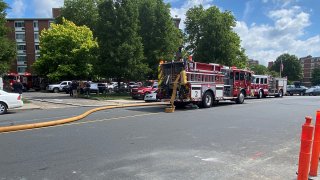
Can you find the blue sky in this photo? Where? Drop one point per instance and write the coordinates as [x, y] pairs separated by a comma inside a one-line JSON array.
[[267, 28]]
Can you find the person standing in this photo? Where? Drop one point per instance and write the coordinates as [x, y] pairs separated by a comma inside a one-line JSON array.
[[74, 86], [17, 87]]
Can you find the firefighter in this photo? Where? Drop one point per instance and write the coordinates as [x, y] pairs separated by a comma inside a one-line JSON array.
[[17, 87]]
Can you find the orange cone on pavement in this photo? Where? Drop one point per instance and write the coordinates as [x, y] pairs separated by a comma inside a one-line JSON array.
[[305, 149], [315, 147]]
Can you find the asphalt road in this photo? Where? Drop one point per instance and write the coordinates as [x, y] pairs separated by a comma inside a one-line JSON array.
[[256, 140]]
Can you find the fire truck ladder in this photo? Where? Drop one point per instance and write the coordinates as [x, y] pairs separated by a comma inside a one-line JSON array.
[[173, 96]]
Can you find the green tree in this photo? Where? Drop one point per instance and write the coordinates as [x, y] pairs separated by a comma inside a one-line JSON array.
[[160, 37], [67, 51], [121, 50], [7, 48], [315, 78], [81, 12], [211, 38], [259, 69], [291, 66]]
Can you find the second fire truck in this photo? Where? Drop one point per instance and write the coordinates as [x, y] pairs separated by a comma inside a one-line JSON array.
[[264, 85]]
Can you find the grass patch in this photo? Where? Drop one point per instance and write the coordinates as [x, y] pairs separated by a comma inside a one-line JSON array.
[[113, 96], [25, 101]]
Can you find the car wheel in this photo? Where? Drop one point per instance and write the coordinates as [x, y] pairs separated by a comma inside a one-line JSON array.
[[56, 90], [3, 108], [240, 98], [207, 100], [301, 93], [291, 94]]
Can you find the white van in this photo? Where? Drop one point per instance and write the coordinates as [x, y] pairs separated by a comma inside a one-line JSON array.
[[1, 83]]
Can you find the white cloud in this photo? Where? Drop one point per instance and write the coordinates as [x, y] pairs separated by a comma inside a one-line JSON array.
[[266, 42], [18, 8], [43, 8]]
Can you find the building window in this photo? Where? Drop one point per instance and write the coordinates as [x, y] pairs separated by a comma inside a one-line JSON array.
[[21, 69], [21, 47], [20, 37], [37, 47], [37, 57], [35, 24], [19, 24], [36, 36], [21, 58]]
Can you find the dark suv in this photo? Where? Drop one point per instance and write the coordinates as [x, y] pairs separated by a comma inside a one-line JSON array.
[[293, 89]]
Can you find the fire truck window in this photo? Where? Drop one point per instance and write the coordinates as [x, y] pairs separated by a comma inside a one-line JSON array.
[[257, 80], [248, 76], [242, 76], [261, 80], [265, 81], [231, 75], [237, 76]]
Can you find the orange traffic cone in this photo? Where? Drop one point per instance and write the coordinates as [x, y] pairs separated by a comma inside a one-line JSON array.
[[315, 148], [305, 149]]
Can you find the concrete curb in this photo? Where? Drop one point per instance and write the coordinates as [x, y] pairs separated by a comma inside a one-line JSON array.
[[68, 120]]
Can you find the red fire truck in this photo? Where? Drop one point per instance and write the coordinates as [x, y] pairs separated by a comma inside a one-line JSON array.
[[264, 85], [28, 80], [202, 83]]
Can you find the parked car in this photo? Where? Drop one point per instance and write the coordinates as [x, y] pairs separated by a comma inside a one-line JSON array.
[[313, 91], [293, 89], [147, 88], [9, 101], [150, 97], [58, 87], [102, 87], [1, 83], [133, 85]]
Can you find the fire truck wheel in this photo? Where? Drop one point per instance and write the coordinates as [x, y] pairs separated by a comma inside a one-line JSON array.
[[207, 99], [260, 94], [240, 98], [281, 94], [3, 108]]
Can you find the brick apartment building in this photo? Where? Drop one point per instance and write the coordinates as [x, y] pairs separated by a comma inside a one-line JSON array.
[[308, 64], [270, 64], [253, 62], [25, 32]]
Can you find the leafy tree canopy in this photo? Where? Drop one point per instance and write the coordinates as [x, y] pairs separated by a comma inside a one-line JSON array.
[[315, 78], [211, 38], [121, 49], [81, 12], [7, 48], [259, 69], [291, 67], [160, 37], [67, 51]]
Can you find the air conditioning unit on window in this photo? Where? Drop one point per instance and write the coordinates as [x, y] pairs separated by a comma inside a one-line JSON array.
[[22, 28]]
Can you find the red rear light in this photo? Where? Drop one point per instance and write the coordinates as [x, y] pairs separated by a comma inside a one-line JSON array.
[[19, 97]]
